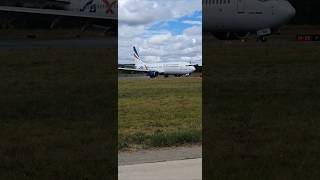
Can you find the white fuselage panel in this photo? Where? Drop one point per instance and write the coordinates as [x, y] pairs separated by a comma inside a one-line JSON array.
[[175, 68], [245, 15]]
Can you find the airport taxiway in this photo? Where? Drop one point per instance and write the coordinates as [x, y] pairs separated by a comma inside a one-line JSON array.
[[158, 155], [189, 169], [170, 163]]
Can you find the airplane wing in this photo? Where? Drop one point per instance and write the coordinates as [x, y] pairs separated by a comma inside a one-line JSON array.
[[54, 12], [133, 69]]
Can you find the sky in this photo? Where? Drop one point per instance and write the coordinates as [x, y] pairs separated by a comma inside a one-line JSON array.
[[161, 30]]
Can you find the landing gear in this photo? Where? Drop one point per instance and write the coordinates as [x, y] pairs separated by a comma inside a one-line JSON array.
[[86, 26], [261, 34], [55, 22], [166, 76], [152, 74], [262, 39]]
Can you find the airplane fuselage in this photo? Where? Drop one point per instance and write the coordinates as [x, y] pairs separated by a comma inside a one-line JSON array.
[[245, 16], [223, 18], [172, 68], [96, 7]]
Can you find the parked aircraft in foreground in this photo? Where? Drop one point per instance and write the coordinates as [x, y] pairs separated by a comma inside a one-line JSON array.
[[225, 19], [236, 19], [103, 13], [155, 69]]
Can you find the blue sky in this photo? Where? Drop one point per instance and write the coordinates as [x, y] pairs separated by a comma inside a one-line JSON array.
[[162, 30], [177, 26]]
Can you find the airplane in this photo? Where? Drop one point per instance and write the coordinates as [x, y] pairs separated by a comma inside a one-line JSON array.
[[154, 69], [93, 12], [225, 19], [237, 19]]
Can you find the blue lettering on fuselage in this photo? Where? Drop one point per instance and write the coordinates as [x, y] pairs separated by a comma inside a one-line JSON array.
[[89, 5]]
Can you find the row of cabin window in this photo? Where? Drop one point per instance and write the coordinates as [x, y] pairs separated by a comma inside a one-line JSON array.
[[216, 2]]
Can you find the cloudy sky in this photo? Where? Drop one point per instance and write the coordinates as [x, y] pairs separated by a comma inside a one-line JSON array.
[[162, 30]]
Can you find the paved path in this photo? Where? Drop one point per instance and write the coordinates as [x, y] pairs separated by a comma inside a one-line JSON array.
[[157, 155], [190, 169]]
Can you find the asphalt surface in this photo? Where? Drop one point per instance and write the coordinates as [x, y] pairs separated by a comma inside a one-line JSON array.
[[190, 169], [110, 42], [159, 155]]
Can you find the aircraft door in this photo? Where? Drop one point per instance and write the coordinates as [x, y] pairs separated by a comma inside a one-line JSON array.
[[241, 6]]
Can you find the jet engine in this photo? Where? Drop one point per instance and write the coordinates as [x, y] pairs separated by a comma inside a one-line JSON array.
[[152, 74]]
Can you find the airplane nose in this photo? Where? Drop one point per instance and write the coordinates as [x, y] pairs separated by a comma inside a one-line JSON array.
[[287, 11], [291, 11]]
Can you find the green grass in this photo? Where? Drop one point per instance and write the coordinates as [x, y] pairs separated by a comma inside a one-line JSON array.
[[159, 112], [261, 111], [57, 114]]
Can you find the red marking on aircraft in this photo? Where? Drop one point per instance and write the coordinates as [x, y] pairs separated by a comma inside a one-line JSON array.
[[109, 6]]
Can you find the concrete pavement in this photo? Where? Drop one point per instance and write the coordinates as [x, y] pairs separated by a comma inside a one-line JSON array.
[[159, 155], [189, 169]]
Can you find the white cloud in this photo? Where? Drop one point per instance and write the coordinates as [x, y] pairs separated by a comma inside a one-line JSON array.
[[142, 12], [163, 45], [194, 30], [160, 39]]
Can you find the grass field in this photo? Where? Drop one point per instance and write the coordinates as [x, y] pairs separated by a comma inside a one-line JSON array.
[[159, 112], [57, 114], [261, 111]]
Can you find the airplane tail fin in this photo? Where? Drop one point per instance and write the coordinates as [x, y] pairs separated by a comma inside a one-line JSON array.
[[137, 59]]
